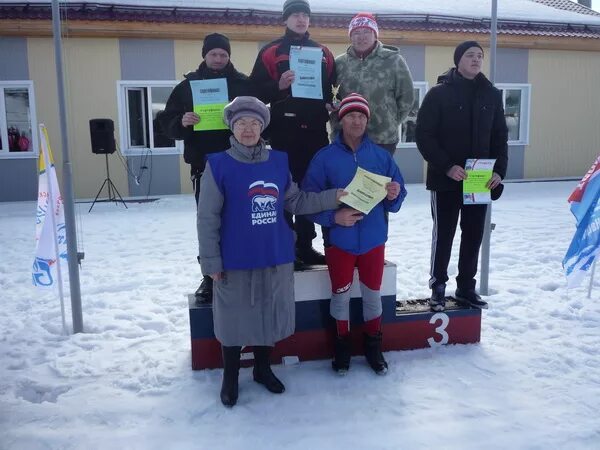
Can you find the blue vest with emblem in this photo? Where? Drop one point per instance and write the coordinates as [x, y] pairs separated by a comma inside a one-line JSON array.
[[254, 233]]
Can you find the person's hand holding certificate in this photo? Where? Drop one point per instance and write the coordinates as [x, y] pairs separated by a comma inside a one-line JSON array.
[[476, 189], [305, 62], [366, 190], [210, 98]]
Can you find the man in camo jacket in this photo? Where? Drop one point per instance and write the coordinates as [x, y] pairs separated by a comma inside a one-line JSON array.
[[380, 74]]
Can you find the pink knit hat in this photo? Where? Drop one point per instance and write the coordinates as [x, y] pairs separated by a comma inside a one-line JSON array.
[[363, 20], [354, 102]]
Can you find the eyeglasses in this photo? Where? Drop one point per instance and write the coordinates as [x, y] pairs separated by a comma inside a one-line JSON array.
[[245, 124]]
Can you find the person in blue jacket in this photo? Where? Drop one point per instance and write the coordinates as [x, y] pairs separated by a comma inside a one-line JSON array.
[[353, 239]]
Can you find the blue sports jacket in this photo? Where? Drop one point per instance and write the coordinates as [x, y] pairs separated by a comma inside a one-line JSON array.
[[334, 166]]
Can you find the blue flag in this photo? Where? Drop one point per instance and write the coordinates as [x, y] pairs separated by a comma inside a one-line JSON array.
[[585, 206]]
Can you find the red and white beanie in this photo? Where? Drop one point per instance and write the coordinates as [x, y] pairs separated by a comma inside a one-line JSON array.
[[363, 20], [354, 102]]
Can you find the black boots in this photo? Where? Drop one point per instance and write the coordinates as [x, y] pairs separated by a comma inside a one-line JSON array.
[[205, 292], [373, 353], [468, 297], [262, 370], [231, 371], [437, 302], [341, 356], [343, 351], [309, 256]]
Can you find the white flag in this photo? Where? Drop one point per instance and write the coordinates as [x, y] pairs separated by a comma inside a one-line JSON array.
[[50, 231]]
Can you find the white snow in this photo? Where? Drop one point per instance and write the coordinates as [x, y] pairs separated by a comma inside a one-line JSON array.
[[533, 382], [507, 9]]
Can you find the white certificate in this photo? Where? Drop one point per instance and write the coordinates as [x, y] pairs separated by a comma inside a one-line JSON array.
[[306, 64], [365, 190]]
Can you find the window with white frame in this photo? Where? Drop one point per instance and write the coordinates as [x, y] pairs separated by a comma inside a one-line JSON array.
[[407, 128], [18, 125], [516, 99], [139, 104]]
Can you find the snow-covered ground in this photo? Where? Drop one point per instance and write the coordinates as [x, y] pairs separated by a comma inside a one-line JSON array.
[[126, 383]]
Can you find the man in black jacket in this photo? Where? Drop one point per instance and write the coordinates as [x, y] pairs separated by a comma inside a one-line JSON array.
[[461, 117], [178, 118], [298, 125]]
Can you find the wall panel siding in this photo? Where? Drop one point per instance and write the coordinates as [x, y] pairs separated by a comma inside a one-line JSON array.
[[565, 111], [13, 54], [512, 66], [151, 59], [409, 160], [18, 177], [92, 68]]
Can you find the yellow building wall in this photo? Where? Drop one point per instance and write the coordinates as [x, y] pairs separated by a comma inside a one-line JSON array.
[[565, 113], [42, 71], [92, 67]]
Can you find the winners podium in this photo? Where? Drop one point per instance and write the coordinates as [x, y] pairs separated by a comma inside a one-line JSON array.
[[406, 325]]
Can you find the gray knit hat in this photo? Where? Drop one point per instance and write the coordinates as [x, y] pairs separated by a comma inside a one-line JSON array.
[[246, 106], [293, 6]]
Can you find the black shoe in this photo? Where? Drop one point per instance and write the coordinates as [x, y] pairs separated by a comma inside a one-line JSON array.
[[299, 265], [468, 297], [437, 302], [310, 256], [204, 293], [341, 356], [262, 372], [373, 353], [231, 370]]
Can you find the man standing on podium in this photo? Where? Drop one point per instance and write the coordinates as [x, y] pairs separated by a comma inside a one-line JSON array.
[[462, 117], [179, 118], [298, 125], [354, 239]]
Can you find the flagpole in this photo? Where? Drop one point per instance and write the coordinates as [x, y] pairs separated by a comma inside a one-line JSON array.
[[487, 231], [67, 179], [51, 210], [592, 279]]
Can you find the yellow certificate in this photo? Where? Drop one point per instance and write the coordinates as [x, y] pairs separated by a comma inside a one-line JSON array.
[[365, 190], [479, 172]]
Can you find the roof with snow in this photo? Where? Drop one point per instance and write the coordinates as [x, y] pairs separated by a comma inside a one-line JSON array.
[[569, 5], [516, 17]]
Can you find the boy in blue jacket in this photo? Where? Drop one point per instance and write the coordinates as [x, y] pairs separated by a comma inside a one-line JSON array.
[[353, 239]]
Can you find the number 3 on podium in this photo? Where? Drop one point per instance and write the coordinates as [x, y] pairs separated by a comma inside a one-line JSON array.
[[441, 329]]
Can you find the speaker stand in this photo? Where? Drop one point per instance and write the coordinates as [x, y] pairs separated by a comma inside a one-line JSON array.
[[113, 193]]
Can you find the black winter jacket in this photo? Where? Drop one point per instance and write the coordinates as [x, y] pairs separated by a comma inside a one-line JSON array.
[[461, 119], [287, 112], [197, 144]]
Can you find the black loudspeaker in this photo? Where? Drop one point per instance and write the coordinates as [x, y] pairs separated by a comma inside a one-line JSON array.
[[102, 134]]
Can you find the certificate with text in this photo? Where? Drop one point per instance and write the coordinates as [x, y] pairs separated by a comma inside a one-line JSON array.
[[479, 172], [210, 98], [306, 64], [365, 190]]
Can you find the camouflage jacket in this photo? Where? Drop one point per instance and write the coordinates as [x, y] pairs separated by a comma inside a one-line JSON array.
[[384, 79]]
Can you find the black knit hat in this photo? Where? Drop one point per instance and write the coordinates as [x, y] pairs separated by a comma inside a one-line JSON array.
[[216, 40], [293, 6], [460, 50]]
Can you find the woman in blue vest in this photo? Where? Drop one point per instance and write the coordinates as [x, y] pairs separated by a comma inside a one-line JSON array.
[[246, 245]]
